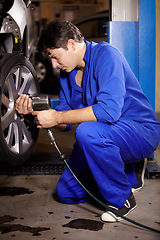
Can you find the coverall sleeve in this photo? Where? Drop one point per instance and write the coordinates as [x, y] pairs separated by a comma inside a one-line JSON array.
[[110, 75]]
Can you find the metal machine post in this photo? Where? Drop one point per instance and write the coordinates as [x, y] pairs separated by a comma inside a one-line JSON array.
[[132, 30]]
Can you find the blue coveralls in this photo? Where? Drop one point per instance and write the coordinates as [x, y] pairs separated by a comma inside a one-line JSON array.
[[126, 130]]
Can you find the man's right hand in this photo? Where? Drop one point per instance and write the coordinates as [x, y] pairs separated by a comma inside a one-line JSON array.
[[23, 104]]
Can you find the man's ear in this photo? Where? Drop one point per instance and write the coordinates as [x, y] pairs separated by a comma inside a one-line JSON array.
[[71, 44]]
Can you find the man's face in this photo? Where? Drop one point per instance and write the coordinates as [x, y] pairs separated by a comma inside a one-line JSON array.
[[64, 59]]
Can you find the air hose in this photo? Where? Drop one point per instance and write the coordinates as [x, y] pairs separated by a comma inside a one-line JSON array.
[[62, 157]]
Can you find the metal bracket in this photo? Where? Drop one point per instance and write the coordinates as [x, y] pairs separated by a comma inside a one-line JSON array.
[[152, 170]]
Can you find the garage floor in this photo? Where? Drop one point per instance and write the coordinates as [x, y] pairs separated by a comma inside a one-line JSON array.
[[29, 209]]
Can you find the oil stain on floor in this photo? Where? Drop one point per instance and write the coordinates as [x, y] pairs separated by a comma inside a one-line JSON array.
[[13, 191], [8, 228], [86, 224]]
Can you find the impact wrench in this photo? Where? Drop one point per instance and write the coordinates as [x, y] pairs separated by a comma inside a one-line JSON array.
[[43, 102]]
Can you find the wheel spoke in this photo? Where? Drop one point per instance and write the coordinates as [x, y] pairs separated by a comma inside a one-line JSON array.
[[11, 87], [18, 75], [5, 101], [23, 137], [26, 83], [14, 138], [8, 97], [26, 134], [18, 136], [10, 135], [7, 119]]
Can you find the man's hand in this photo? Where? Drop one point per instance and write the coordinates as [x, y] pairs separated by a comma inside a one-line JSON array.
[[23, 104], [45, 118]]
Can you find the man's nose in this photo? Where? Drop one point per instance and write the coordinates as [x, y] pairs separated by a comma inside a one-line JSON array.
[[54, 63]]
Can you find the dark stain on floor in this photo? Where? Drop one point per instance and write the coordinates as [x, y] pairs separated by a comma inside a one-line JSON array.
[[6, 218], [7, 228], [13, 191], [86, 224]]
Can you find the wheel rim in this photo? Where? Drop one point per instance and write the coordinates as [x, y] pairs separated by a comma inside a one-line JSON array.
[[16, 132], [40, 71]]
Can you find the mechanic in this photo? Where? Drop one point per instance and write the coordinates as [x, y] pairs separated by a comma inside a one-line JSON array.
[[117, 127]]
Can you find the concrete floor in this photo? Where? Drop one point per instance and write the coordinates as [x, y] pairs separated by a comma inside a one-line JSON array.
[[34, 213]]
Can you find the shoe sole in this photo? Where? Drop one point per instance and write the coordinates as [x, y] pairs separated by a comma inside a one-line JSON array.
[[142, 178], [117, 219]]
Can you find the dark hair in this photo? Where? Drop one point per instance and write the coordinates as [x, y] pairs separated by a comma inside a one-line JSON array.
[[56, 34]]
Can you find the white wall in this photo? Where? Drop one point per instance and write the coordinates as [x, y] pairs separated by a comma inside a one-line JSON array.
[[125, 10]]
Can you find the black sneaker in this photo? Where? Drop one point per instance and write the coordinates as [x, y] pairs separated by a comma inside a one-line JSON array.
[[140, 168], [129, 205]]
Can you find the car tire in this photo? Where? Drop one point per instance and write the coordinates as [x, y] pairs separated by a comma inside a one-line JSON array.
[[43, 68], [48, 77], [18, 133]]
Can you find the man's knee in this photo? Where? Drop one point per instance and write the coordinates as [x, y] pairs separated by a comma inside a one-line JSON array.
[[70, 193], [61, 192], [85, 132], [88, 133]]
